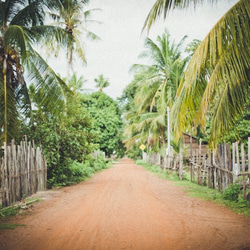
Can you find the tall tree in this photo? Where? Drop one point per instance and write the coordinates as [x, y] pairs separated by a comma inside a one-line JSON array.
[[163, 74], [217, 79], [21, 26], [157, 85], [107, 121], [101, 82], [73, 17]]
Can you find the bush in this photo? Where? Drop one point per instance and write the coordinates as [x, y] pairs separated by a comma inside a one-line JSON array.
[[232, 193], [80, 171]]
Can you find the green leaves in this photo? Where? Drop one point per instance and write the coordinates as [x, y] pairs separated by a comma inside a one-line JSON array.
[[101, 82], [157, 84], [107, 121], [18, 33], [216, 81], [217, 77]]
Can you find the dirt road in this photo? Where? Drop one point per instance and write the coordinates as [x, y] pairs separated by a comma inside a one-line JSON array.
[[125, 207]]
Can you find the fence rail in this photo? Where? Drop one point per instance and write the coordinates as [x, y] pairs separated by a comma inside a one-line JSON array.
[[227, 165], [23, 172]]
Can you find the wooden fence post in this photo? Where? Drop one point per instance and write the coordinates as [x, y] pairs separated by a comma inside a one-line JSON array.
[[233, 162], [237, 158], [243, 170], [209, 169], [19, 171], [180, 166]]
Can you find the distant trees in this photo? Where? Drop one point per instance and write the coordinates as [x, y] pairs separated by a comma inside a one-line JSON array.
[[101, 82], [107, 122]]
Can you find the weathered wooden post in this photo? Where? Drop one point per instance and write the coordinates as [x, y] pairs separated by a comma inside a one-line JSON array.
[[180, 166], [243, 171]]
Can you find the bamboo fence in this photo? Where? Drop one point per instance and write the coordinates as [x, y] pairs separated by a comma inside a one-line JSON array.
[[23, 172], [227, 165]]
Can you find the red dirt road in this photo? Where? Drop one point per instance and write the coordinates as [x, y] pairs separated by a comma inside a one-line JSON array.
[[126, 207]]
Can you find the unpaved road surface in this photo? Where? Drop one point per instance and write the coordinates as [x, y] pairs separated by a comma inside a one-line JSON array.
[[126, 207]]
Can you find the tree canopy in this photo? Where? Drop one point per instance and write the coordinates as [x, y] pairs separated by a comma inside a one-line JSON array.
[[107, 122]]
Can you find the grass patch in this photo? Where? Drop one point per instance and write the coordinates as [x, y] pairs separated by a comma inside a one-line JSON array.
[[227, 198], [10, 226], [9, 211], [13, 210]]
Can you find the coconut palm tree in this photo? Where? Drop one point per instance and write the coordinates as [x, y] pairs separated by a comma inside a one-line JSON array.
[[21, 26], [157, 85], [163, 74], [73, 17], [216, 83], [101, 82], [76, 83]]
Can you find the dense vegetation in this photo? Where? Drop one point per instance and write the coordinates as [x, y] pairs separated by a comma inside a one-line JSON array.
[[207, 90], [39, 104]]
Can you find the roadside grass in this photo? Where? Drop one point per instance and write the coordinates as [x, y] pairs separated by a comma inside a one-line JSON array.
[[80, 171], [226, 198], [10, 226], [15, 209]]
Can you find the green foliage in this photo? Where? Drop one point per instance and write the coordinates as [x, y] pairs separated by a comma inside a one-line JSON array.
[[61, 145], [9, 211], [232, 193], [5, 226], [22, 27], [101, 82], [77, 171], [156, 85], [134, 152], [13, 210], [65, 138], [241, 131], [107, 123], [126, 101]]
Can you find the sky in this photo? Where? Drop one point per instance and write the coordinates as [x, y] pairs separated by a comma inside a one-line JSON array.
[[122, 41]]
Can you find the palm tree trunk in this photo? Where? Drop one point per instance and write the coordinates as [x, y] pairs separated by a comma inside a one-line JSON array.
[[70, 54], [164, 148], [5, 100]]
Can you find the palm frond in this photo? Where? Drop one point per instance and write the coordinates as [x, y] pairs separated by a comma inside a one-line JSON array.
[[30, 15], [162, 8], [15, 37], [217, 77], [53, 88]]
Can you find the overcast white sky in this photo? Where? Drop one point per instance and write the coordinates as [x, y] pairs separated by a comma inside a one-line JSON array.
[[122, 40]]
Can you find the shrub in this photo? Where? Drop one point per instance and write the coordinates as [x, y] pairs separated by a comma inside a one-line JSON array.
[[232, 193], [79, 171]]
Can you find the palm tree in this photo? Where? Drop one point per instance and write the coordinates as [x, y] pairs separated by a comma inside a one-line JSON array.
[[72, 17], [76, 84], [217, 79], [162, 77], [21, 25], [101, 82], [157, 86]]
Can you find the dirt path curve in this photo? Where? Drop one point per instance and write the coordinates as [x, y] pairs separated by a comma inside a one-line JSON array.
[[125, 207]]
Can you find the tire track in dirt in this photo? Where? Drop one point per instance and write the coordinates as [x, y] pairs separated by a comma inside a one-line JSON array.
[[126, 207]]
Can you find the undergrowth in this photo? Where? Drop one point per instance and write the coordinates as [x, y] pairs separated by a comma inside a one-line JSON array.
[[7, 212], [5, 226], [80, 171], [231, 197]]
